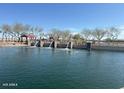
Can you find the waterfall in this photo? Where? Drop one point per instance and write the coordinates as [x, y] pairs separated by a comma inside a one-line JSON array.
[[67, 46], [50, 44], [36, 43]]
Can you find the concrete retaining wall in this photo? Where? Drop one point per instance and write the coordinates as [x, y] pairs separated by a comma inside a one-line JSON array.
[[64, 46], [108, 48]]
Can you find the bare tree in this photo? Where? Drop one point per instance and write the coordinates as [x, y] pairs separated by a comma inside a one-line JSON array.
[[6, 29], [66, 35], [61, 35], [55, 34], [27, 28], [77, 39], [113, 33], [18, 28], [86, 34], [99, 34], [37, 31]]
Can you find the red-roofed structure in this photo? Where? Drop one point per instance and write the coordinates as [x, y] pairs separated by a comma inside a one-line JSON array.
[[29, 36]]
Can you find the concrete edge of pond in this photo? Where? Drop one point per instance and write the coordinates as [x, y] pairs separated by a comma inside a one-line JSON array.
[[122, 88]]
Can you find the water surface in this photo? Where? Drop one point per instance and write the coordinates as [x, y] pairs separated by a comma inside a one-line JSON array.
[[60, 69]]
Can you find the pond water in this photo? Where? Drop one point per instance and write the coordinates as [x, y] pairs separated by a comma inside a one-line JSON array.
[[45, 68]]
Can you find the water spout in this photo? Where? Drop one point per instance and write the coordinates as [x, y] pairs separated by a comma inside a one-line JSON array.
[[67, 46], [50, 44], [36, 43]]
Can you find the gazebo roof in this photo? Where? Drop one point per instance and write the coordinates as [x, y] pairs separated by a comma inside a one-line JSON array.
[[28, 36]]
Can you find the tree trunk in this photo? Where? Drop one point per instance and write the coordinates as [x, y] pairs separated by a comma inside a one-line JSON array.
[[3, 36]]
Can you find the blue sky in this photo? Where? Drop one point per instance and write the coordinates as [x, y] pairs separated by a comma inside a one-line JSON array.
[[63, 16]]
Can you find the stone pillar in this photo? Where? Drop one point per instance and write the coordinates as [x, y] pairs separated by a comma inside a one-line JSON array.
[[29, 42], [21, 40], [41, 43], [54, 44], [71, 45]]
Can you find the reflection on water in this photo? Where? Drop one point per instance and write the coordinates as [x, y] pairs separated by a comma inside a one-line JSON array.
[[59, 68]]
